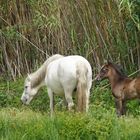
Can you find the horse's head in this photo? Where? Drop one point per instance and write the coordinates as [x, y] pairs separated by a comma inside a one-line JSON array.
[[105, 72], [29, 92], [109, 70]]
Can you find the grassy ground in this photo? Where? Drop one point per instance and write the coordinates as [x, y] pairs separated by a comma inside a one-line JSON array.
[[18, 122]]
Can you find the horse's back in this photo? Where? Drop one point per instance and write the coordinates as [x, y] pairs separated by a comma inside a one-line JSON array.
[[63, 72], [69, 65], [71, 62], [137, 85]]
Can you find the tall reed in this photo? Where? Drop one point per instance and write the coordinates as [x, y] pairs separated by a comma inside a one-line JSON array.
[[32, 30]]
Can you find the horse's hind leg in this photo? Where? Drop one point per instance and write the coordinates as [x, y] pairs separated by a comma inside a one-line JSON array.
[[50, 93], [87, 99], [65, 103], [88, 93], [123, 107], [68, 96]]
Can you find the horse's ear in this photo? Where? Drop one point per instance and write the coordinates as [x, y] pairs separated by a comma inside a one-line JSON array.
[[109, 62], [29, 77], [105, 62]]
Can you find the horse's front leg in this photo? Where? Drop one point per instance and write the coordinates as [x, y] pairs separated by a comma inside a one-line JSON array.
[[51, 96], [119, 107]]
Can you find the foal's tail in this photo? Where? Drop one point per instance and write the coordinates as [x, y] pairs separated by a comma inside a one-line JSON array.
[[82, 88]]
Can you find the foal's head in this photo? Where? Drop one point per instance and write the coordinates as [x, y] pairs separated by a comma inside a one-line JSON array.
[[110, 70]]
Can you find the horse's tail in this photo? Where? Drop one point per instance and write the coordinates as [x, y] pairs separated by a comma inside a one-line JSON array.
[[82, 87]]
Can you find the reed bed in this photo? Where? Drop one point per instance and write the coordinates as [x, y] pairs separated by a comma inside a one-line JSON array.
[[33, 30]]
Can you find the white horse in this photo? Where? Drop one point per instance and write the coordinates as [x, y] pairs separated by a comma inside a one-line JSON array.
[[63, 75]]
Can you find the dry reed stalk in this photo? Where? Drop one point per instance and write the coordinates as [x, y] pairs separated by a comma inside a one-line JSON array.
[[33, 30]]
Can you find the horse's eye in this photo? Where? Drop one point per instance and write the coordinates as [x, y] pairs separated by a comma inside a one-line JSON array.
[[104, 70], [26, 87]]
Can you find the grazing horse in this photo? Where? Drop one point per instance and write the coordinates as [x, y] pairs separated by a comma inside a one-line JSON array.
[[123, 88], [63, 75]]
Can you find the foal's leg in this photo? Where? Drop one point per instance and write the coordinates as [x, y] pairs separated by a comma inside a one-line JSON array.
[[123, 107], [50, 93], [119, 108]]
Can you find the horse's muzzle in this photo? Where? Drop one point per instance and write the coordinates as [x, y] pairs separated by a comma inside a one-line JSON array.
[[24, 100], [97, 78]]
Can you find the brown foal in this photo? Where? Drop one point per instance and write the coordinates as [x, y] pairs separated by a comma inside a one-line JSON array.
[[123, 88]]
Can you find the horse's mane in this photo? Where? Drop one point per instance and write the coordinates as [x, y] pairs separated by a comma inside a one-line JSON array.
[[119, 69], [38, 76]]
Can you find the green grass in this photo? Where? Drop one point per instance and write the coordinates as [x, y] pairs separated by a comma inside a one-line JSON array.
[[19, 122]]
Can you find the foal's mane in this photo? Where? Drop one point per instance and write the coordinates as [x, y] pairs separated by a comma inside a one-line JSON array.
[[118, 69], [38, 76]]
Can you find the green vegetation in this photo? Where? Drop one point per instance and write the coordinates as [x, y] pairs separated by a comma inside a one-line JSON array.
[[24, 124], [33, 122]]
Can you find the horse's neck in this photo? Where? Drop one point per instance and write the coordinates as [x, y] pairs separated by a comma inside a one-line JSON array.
[[115, 80], [38, 77]]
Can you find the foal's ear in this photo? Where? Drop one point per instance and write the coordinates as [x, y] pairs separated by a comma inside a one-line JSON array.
[[105, 61], [109, 62]]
